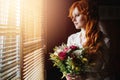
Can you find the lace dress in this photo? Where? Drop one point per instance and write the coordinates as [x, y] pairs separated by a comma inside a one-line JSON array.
[[96, 72]]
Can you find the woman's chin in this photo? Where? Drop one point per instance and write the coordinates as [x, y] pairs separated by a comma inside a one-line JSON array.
[[77, 27]]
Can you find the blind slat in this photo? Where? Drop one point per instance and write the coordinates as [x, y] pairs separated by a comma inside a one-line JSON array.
[[8, 60], [9, 75], [9, 72], [9, 67], [7, 64], [29, 64], [8, 55], [10, 51]]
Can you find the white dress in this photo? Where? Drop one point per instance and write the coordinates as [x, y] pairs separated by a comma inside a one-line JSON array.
[[74, 39]]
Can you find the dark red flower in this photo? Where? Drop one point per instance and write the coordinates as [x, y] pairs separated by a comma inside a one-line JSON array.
[[73, 47], [62, 55]]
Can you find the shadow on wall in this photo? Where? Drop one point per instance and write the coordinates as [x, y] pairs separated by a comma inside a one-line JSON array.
[[110, 18], [112, 28]]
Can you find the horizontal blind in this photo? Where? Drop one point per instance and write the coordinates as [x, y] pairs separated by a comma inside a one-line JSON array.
[[33, 42], [9, 39]]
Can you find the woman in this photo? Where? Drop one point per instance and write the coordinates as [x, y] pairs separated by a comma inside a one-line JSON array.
[[84, 15]]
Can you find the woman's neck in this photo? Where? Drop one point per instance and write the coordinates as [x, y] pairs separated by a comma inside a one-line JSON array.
[[82, 36], [83, 32]]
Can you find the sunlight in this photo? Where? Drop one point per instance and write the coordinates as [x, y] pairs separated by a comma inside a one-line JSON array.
[[18, 13], [4, 7], [22, 34]]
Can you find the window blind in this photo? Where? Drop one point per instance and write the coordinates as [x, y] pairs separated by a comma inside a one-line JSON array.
[[33, 41], [22, 39], [9, 39]]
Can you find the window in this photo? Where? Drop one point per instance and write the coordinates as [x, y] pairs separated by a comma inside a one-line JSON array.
[[22, 39], [9, 39], [33, 32]]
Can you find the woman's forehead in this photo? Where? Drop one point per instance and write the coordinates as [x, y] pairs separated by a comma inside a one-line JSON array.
[[75, 10]]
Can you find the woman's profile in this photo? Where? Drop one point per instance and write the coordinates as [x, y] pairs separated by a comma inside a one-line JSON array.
[[84, 15]]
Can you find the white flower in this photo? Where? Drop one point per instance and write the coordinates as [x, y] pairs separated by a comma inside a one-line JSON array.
[[57, 51], [78, 52]]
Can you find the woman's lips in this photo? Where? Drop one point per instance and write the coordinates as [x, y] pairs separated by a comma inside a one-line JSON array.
[[75, 23]]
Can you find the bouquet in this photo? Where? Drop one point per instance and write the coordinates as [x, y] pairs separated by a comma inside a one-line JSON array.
[[70, 59]]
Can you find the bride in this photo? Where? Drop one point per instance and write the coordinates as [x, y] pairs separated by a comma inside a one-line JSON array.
[[84, 15]]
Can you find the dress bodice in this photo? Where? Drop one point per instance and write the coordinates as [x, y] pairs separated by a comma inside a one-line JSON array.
[[74, 39]]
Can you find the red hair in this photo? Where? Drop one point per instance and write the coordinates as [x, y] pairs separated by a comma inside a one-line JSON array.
[[94, 36], [82, 7]]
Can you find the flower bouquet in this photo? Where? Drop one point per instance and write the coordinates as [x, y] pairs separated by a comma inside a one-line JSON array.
[[71, 60]]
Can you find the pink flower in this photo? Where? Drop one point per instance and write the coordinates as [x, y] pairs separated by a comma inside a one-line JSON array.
[[73, 47], [66, 49], [62, 55]]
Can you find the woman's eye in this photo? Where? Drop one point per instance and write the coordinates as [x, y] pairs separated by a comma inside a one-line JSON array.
[[77, 15]]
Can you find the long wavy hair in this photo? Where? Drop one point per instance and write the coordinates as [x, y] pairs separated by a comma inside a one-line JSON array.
[[94, 36]]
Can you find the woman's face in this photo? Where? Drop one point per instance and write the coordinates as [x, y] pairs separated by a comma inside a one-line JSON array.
[[78, 19]]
